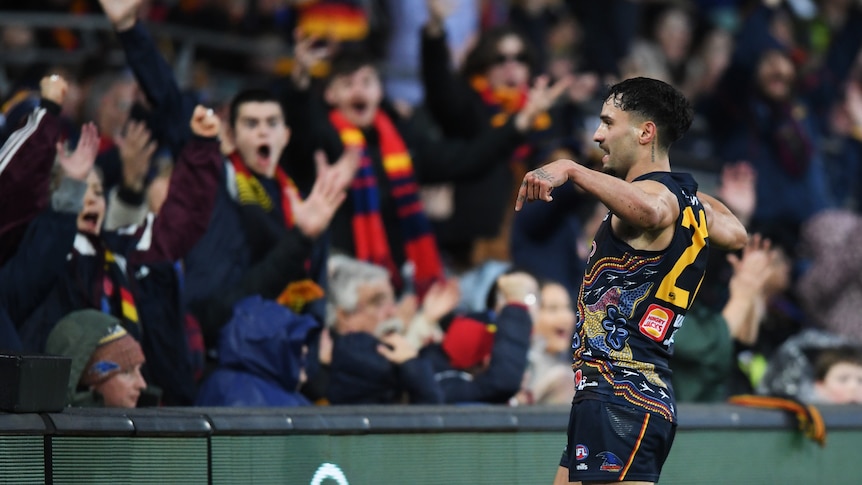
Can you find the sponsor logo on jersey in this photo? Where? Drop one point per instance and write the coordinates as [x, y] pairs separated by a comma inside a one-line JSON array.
[[610, 462], [581, 452], [656, 322], [582, 467], [579, 380]]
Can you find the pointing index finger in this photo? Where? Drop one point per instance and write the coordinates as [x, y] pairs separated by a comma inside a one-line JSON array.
[[522, 194]]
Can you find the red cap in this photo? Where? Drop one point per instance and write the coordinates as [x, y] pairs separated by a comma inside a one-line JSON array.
[[468, 342]]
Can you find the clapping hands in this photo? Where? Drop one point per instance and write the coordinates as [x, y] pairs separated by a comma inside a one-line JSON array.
[[78, 164], [542, 96]]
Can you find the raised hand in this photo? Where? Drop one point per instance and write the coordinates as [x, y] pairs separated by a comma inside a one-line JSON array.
[[205, 122], [78, 164], [540, 99], [853, 102], [438, 10], [406, 308], [312, 215], [751, 270], [53, 88], [737, 189], [751, 274], [520, 288], [539, 183], [122, 13], [441, 298], [307, 53], [136, 150], [345, 167]]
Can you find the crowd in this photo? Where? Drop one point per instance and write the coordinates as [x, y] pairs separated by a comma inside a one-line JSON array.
[[338, 227]]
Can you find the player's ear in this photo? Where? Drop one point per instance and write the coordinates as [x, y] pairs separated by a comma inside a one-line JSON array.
[[648, 132]]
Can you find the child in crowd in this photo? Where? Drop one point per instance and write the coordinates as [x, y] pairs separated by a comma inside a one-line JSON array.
[[106, 360], [838, 376]]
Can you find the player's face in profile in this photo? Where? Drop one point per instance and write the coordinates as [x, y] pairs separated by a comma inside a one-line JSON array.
[[617, 137]]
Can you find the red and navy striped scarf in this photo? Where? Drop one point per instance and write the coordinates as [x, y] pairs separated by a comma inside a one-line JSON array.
[[369, 235], [251, 192]]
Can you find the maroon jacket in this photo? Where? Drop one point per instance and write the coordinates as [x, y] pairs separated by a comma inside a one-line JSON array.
[[26, 160]]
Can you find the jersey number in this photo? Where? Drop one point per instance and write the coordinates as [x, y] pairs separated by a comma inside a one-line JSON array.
[[668, 290]]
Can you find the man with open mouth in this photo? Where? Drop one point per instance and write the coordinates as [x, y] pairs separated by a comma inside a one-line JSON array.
[[383, 220]]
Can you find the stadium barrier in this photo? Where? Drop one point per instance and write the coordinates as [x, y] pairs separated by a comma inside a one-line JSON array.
[[399, 445]]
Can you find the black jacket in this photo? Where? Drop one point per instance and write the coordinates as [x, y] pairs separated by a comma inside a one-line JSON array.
[[360, 375], [435, 158]]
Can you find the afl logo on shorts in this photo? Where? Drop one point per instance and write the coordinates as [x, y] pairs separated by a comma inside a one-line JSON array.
[[581, 452]]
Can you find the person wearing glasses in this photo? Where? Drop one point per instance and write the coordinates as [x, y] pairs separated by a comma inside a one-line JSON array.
[[492, 87]]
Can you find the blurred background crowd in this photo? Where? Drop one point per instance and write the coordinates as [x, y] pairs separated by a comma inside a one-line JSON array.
[[338, 227]]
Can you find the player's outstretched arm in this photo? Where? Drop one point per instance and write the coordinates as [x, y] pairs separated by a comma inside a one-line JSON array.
[[725, 230], [647, 205]]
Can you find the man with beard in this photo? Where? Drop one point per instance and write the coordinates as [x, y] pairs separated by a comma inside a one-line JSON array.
[[644, 269]]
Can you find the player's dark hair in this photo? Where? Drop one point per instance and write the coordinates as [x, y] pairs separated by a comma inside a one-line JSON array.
[[656, 101]]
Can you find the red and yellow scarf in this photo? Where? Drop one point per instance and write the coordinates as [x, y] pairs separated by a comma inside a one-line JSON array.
[[504, 102], [369, 235], [117, 298], [251, 192]]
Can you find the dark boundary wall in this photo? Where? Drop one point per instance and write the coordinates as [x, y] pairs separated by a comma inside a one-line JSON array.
[[715, 444]]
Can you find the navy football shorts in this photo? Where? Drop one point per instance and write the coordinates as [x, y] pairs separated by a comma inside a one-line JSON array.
[[607, 442]]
